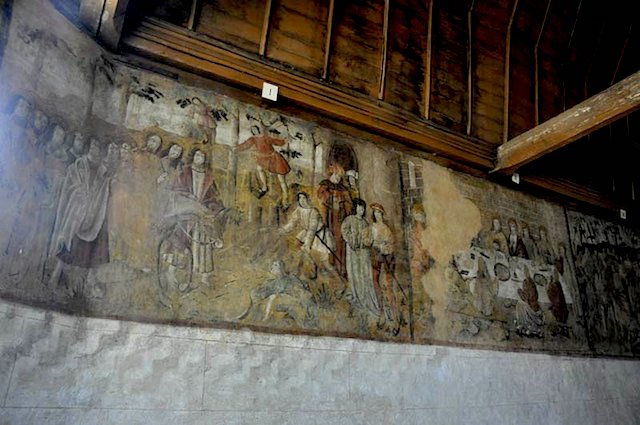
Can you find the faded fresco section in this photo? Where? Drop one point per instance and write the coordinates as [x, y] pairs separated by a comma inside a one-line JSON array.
[[492, 263], [607, 259]]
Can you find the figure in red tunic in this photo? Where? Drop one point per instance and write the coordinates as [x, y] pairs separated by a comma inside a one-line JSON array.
[[336, 205], [269, 160]]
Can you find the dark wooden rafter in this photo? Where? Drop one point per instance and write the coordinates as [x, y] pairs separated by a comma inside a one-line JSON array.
[[327, 42], [427, 63], [507, 74], [536, 49], [470, 54], [177, 46], [265, 28], [584, 118], [385, 48]]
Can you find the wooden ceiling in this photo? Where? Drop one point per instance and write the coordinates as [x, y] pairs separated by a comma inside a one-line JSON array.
[[455, 78]]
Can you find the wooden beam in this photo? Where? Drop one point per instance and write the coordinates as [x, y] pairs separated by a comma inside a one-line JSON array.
[[265, 28], [385, 47], [327, 43], [507, 76], [427, 64], [584, 118], [177, 46]]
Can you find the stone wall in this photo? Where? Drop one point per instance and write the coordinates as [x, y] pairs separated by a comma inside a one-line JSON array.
[[59, 369]]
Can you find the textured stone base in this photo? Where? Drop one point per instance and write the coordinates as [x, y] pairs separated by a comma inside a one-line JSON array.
[[59, 369]]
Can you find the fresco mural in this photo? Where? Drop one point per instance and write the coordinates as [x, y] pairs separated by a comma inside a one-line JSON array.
[[173, 203], [204, 211], [607, 259], [490, 265]]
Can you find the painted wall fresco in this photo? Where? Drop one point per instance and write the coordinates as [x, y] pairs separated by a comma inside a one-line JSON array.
[[130, 194], [493, 262], [192, 207], [607, 268], [206, 211]]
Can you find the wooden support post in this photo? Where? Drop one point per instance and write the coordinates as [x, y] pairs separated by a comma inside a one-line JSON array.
[[91, 14], [470, 67], [265, 28], [385, 48], [327, 44], [537, 64], [104, 19], [427, 64], [584, 118], [507, 76]]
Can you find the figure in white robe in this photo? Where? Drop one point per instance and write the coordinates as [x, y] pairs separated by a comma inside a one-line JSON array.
[[80, 235], [316, 241], [359, 271]]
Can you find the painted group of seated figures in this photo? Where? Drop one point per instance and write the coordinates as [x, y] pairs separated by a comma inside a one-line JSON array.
[[519, 266]]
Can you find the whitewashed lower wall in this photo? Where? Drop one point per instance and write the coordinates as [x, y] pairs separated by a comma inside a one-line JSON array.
[[59, 369]]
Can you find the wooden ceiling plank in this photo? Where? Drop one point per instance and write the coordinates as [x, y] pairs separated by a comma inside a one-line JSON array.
[[584, 118]]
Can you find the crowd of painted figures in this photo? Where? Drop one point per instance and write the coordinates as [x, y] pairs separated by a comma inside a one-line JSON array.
[[519, 267], [607, 262], [91, 189], [338, 239]]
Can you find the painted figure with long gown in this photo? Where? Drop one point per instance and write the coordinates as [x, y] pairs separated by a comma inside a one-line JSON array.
[[80, 235], [529, 315], [196, 208], [355, 231]]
